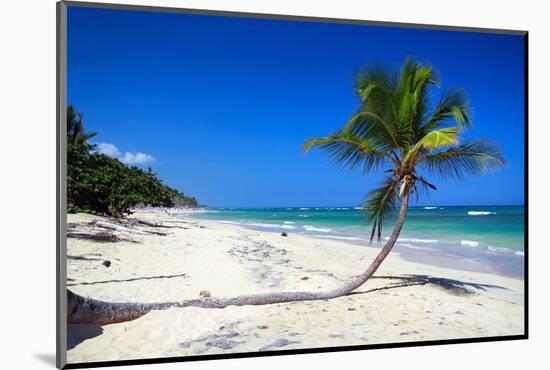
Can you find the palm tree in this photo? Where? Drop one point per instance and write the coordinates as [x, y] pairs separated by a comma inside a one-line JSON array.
[[75, 129], [394, 126]]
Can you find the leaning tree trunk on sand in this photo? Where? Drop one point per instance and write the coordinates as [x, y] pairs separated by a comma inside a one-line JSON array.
[[86, 310]]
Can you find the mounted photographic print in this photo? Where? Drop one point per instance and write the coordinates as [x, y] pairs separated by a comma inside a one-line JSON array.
[[236, 184]]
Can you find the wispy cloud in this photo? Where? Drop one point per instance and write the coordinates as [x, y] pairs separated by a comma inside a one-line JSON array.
[[131, 158], [137, 158], [108, 149]]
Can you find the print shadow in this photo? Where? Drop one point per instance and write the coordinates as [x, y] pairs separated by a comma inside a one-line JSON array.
[[46, 358]]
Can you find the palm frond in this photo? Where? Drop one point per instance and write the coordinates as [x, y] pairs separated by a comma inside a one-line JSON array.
[[414, 82], [348, 150], [411, 67], [420, 184], [381, 203], [377, 117], [369, 125], [472, 158], [374, 76], [453, 106], [75, 129], [433, 140], [439, 138]]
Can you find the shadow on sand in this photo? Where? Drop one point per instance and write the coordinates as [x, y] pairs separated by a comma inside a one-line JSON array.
[[78, 333], [452, 286], [83, 258], [131, 279]]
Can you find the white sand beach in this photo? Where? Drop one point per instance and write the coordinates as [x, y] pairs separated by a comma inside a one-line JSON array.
[[405, 301]]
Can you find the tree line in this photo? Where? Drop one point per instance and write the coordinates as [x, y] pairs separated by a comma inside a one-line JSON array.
[[97, 183]]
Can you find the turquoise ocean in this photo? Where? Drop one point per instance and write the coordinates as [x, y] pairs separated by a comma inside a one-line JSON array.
[[479, 238]]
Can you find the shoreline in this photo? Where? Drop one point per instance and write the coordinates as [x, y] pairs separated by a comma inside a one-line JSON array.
[[418, 255], [434, 258], [405, 301]]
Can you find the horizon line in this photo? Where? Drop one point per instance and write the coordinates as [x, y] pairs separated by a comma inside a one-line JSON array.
[[353, 207]]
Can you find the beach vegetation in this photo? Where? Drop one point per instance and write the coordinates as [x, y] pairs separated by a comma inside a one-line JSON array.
[[97, 183]]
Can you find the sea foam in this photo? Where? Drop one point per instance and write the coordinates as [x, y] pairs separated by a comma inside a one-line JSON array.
[[412, 246], [413, 240], [319, 229], [277, 226], [492, 249], [229, 222], [480, 213], [339, 237], [258, 224]]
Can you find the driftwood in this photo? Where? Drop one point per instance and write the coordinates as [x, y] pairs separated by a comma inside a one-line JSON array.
[[156, 233], [156, 224], [87, 310], [151, 223], [115, 227], [103, 236]]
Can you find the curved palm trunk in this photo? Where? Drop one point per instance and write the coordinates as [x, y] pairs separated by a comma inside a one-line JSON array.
[[86, 310]]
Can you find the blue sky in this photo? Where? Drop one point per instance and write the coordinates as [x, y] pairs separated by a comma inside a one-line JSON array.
[[220, 106]]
